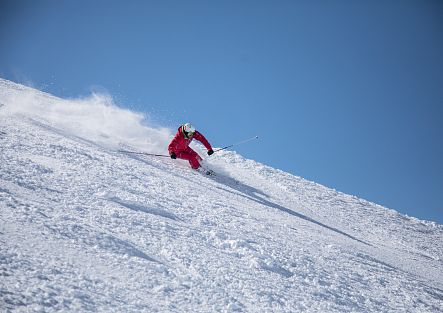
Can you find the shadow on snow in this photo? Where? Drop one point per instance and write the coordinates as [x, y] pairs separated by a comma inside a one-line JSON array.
[[257, 195]]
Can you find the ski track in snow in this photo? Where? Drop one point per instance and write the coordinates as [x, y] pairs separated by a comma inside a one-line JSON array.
[[85, 228]]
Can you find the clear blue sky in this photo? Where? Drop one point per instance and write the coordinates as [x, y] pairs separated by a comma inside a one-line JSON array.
[[345, 93]]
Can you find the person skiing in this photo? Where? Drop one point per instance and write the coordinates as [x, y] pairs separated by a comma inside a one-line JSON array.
[[179, 146]]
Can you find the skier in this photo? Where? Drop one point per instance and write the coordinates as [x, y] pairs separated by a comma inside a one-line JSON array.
[[179, 146]]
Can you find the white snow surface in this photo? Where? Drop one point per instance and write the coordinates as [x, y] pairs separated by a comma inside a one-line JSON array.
[[86, 228]]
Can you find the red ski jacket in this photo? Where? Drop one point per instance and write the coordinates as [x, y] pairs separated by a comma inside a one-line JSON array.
[[181, 142]]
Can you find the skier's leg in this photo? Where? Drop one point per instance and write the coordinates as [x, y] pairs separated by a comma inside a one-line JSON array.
[[191, 156]]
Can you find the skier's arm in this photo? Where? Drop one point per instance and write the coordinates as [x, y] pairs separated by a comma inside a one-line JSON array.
[[203, 140], [173, 144]]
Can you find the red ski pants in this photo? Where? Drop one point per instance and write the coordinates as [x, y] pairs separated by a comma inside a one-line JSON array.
[[191, 156]]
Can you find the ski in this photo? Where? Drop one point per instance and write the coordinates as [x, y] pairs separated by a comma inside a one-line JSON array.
[[210, 173], [205, 171]]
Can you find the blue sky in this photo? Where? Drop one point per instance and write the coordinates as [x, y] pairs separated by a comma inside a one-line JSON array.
[[348, 94]]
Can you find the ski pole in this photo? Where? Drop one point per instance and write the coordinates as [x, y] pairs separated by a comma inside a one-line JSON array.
[[144, 153], [236, 144]]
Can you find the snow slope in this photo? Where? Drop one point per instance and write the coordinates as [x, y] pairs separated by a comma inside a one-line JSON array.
[[85, 228]]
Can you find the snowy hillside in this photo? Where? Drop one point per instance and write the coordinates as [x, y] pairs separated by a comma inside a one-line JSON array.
[[85, 228]]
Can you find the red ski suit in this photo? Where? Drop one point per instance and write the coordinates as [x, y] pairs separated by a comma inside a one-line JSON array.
[[180, 146]]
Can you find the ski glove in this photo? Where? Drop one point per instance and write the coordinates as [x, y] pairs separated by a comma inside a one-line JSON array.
[[173, 155], [210, 152]]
